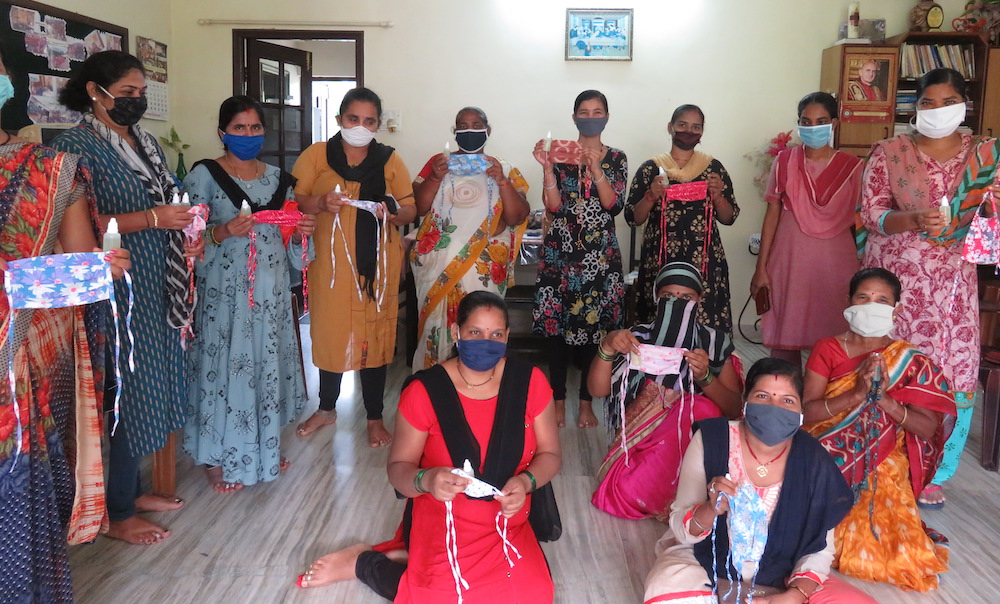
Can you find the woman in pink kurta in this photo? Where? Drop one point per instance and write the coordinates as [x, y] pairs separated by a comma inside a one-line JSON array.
[[812, 195], [907, 233]]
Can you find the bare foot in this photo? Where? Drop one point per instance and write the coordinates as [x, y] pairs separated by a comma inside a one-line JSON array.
[[221, 486], [378, 436], [587, 418], [338, 566], [316, 421], [151, 502], [561, 413], [284, 464], [137, 531]]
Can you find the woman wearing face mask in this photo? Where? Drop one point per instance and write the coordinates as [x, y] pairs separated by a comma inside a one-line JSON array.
[[496, 412], [53, 488], [659, 409], [470, 234], [579, 290], [133, 185], [669, 192], [887, 437], [245, 378], [811, 197], [354, 302], [908, 233], [759, 490]]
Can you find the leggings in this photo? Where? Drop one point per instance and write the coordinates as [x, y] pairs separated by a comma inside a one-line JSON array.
[[124, 486], [956, 442], [372, 390], [561, 355], [378, 572]]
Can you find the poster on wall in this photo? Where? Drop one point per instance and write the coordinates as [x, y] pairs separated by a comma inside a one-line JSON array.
[[153, 55], [598, 34], [869, 88], [43, 46]]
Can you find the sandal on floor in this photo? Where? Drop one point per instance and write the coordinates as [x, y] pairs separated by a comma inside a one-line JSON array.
[[932, 498]]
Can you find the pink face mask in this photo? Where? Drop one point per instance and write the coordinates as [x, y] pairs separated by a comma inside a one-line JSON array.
[[657, 360]]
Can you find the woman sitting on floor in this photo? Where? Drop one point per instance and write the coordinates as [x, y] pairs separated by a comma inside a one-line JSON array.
[[887, 437], [491, 404], [759, 493], [659, 409]]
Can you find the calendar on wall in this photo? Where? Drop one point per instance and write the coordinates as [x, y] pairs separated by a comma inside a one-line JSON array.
[[153, 55]]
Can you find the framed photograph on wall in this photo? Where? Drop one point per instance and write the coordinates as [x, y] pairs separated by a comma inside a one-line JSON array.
[[869, 87], [599, 34]]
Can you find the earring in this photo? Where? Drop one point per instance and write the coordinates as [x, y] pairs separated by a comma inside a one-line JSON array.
[[93, 98]]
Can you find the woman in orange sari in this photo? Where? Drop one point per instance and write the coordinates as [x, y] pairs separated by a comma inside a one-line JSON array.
[[878, 406]]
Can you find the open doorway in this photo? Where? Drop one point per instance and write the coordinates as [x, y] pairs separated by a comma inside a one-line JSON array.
[[300, 77]]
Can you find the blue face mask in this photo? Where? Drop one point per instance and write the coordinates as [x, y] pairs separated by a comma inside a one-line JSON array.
[[6, 89], [243, 147], [815, 137], [481, 355], [772, 425]]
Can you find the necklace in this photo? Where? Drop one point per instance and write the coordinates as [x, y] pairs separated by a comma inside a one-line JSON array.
[[247, 183], [762, 467], [471, 386]]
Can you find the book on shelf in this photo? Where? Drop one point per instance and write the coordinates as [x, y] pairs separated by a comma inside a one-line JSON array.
[[917, 59]]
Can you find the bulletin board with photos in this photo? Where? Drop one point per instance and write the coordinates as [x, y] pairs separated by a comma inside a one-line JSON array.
[[43, 45]]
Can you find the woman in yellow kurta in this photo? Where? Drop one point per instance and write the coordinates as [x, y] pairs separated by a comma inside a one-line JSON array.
[[353, 291]]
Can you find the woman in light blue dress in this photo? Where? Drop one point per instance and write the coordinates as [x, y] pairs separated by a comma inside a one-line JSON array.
[[244, 374]]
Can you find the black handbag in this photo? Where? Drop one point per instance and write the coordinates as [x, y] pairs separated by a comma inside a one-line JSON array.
[[544, 515]]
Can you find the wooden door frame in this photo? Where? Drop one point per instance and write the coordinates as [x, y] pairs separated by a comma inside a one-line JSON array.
[[240, 37]]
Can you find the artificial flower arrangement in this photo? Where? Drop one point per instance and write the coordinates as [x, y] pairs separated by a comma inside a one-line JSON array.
[[763, 157]]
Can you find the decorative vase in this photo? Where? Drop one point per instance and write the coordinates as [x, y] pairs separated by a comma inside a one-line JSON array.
[[181, 170]]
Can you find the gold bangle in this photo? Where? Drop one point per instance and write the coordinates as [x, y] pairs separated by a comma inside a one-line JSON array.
[[605, 356], [708, 379], [210, 234], [826, 403], [156, 220], [799, 589], [906, 413]]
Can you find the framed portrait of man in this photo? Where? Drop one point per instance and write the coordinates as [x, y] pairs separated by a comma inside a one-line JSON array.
[[869, 87]]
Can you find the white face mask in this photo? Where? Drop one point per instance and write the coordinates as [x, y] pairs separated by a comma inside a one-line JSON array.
[[358, 136], [940, 122], [872, 320]]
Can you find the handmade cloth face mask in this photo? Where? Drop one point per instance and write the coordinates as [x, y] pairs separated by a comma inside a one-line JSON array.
[[192, 233], [657, 360], [381, 274], [282, 218], [747, 522], [58, 281], [565, 152], [687, 191], [462, 164], [478, 489]]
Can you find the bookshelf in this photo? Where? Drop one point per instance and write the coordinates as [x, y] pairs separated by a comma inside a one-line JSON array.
[[908, 56]]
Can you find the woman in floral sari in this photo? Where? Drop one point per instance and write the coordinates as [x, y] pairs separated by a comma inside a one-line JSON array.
[[639, 479], [878, 406], [52, 491], [474, 209]]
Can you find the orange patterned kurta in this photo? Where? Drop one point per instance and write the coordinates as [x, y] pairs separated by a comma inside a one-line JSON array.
[[347, 333]]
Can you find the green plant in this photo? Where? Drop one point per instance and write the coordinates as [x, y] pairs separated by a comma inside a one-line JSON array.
[[174, 142]]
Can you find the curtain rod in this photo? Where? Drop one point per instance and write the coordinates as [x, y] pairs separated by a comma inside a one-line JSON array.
[[383, 24]]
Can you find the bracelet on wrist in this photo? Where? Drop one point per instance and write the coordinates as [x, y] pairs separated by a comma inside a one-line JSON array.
[[418, 479], [601, 179], [156, 220], [694, 519], [826, 403], [604, 356], [799, 589], [705, 381], [534, 485], [906, 413], [547, 187], [210, 236]]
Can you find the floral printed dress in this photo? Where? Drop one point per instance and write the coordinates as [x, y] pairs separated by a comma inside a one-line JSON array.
[[579, 292]]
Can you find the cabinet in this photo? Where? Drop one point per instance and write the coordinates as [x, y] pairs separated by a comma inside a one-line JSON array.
[[888, 73]]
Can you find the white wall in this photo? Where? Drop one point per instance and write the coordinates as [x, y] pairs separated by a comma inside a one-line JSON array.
[[152, 21], [331, 58], [745, 63]]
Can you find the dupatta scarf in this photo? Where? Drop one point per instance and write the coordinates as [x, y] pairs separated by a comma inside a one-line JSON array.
[[910, 185], [913, 379], [817, 217]]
